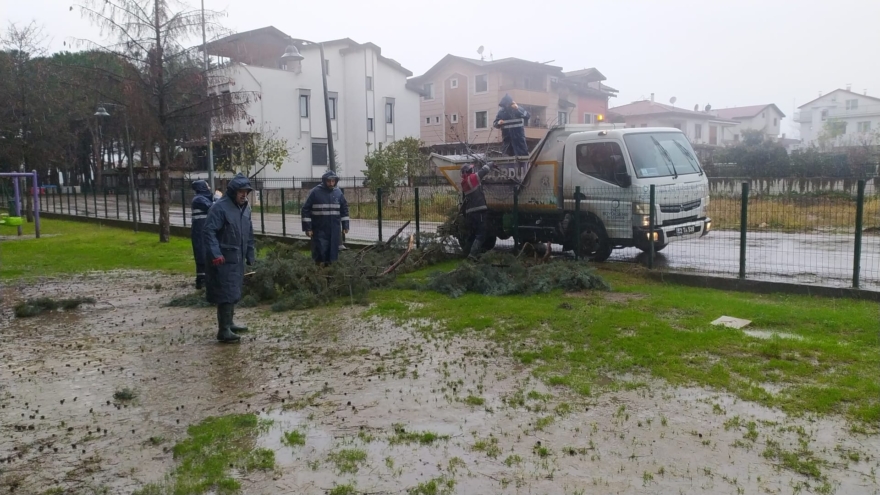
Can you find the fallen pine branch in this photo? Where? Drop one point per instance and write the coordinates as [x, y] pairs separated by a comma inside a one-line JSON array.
[[403, 257], [391, 239]]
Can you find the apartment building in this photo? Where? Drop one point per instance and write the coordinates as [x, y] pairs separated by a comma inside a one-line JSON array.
[[849, 118]]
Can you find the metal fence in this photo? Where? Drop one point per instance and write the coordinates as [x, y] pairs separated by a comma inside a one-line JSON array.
[[817, 238]]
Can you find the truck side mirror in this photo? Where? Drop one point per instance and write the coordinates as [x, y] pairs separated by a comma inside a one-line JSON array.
[[622, 178]]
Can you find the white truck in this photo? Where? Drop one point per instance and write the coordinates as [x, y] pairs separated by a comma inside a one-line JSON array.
[[612, 170]]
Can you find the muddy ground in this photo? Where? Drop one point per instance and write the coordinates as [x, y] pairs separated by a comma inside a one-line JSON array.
[[349, 381]]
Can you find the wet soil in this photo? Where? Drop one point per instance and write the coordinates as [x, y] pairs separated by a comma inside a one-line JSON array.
[[351, 382]]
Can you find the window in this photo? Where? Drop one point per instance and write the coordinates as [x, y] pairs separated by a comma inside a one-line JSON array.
[[428, 91], [326, 67], [454, 118], [661, 154], [864, 126], [481, 120], [824, 114], [601, 160], [481, 83], [369, 83], [369, 124], [332, 108], [837, 127], [453, 83], [304, 106], [588, 118], [389, 112], [427, 120], [852, 104], [562, 118], [319, 154], [698, 131]]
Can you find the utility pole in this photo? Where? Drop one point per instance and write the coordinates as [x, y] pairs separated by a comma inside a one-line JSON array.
[[327, 109], [207, 87]]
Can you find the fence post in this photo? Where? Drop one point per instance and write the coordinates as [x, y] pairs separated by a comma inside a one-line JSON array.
[[116, 194], [128, 204], [86, 198], [94, 198], [857, 250], [379, 210], [418, 229], [262, 210], [106, 213], [652, 219], [515, 217], [183, 202], [153, 201], [68, 201], [75, 203], [743, 227], [283, 210], [55, 198], [577, 223]]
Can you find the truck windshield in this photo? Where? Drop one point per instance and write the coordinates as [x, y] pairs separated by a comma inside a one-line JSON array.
[[661, 154]]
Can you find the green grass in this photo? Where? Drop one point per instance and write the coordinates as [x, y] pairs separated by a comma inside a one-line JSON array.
[[69, 247], [664, 331], [401, 436], [348, 460], [294, 438], [436, 486], [343, 490], [212, 448]]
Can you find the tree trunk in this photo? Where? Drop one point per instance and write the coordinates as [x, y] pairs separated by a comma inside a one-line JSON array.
[[164, 195]]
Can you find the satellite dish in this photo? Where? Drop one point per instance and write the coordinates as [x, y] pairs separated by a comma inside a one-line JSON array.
[[673, 100], [480, 52], [708, 107]]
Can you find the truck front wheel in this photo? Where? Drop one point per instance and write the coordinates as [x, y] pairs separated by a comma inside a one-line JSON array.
[[594, 242]]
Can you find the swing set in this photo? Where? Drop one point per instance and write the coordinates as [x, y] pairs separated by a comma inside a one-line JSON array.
[[13, 217]]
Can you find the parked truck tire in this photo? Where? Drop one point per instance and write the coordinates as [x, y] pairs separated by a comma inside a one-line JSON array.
[[595, 245]]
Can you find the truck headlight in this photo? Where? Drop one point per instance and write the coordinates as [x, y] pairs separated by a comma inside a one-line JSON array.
[[641, 208]]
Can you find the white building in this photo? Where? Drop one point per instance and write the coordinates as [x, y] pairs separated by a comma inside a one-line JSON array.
[[699, 127], [369, 98], [764, 118], [853, 117]]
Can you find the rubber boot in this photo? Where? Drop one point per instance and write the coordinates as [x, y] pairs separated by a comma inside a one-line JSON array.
[[224, 319], [200, 282], [232, 326]]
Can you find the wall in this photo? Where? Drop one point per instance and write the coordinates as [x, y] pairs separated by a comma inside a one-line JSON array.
[[733, 187], [835, 102], [455, 102], [587, 104]]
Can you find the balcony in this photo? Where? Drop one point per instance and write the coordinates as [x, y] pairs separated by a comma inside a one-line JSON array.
[[805, 117], [862, 111]]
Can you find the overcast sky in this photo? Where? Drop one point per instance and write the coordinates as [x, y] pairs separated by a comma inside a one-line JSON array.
[[732, 53]]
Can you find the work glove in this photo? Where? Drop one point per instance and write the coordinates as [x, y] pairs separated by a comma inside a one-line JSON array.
[[218, 261], [250, 262], [309, 233]]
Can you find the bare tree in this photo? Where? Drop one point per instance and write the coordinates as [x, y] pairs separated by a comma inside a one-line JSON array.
[[163, 81]]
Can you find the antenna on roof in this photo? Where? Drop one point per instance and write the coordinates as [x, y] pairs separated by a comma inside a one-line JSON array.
[[480, 52], [673, 100]]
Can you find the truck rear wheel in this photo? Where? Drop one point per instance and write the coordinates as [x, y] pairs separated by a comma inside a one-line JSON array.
[[594, 241]]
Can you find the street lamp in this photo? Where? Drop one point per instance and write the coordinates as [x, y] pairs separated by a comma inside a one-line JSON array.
[[101, 111], [291, 54]]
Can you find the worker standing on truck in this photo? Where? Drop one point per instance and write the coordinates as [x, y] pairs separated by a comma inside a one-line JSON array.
[[511, 119], [474, 207]]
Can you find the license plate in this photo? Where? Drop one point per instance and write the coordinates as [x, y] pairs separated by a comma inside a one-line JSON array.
[[690, 229]]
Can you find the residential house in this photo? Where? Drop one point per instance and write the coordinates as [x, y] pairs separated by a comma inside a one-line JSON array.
[[460, 98], [846, 117], [700, 127], [591, 93], [764, 118], [369, 101]]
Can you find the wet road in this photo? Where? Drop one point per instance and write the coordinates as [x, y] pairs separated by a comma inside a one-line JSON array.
[[807, 258]]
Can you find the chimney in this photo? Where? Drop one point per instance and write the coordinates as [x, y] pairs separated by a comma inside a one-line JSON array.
[[652, 97], [849, 87]]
